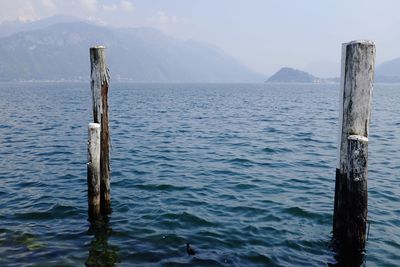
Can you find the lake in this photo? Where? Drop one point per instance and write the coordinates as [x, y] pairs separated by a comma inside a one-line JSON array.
[[245, 173]]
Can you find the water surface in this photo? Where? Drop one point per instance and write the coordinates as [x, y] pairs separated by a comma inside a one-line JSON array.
[[243, 172]]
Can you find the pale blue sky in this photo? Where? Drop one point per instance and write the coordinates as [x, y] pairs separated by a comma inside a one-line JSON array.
[[263, 34]]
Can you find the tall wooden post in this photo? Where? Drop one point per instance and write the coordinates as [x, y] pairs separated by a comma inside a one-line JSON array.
[[99, 85], [93, 171], [350, 208]]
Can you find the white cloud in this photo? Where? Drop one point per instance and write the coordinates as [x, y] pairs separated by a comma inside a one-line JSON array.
[[49, 4], [112, 7], [97, 21], [161, 19], [30, 10], [22, 10], [27, 13], [90, 5], [124, 6], [176, 19]]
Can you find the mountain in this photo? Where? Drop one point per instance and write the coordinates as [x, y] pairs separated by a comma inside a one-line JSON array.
[[61, 51], [388, 72], [289, 75], [389, 68]]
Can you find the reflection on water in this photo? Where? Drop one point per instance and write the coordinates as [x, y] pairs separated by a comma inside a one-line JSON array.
[[344, 256], [100, 252]]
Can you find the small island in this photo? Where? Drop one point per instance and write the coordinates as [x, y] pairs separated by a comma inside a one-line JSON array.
[[289, 75]]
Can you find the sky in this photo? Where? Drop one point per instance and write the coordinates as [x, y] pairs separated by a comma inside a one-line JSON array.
[[265, 35]]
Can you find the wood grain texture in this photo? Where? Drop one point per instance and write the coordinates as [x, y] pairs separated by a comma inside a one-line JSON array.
[[357, 192], [358, 64], [350, 203], [93, 171], [100, 79]]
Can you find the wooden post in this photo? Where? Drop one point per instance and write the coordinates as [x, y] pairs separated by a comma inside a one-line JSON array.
[[357, 165], [358, 63], [93, 171], [99, 85]]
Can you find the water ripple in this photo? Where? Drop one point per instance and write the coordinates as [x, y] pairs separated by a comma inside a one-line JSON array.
[[242, 172]]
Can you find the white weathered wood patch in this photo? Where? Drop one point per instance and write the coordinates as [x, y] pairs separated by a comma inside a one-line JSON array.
[[357, 161], [94, 145]]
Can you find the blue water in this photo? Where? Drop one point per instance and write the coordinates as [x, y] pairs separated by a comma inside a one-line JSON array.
[[243, 172]]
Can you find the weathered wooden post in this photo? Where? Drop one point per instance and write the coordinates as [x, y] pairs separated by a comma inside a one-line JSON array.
[[357, 148], [350, 208], [99, 85], [93, 171]]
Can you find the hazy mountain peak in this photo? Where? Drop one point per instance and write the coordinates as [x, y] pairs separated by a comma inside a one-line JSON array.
[[389, 68], [286, 74], [60, 51]]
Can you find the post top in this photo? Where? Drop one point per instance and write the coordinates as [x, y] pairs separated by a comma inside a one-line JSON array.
[[362, 41], [94, 125], [98, 47], [358, 138]]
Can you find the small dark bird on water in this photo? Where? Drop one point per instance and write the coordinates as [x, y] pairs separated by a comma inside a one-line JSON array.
[[190, 250]]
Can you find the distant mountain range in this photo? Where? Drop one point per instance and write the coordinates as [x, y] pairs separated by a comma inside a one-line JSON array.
[[49, 50], [57, 48]]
